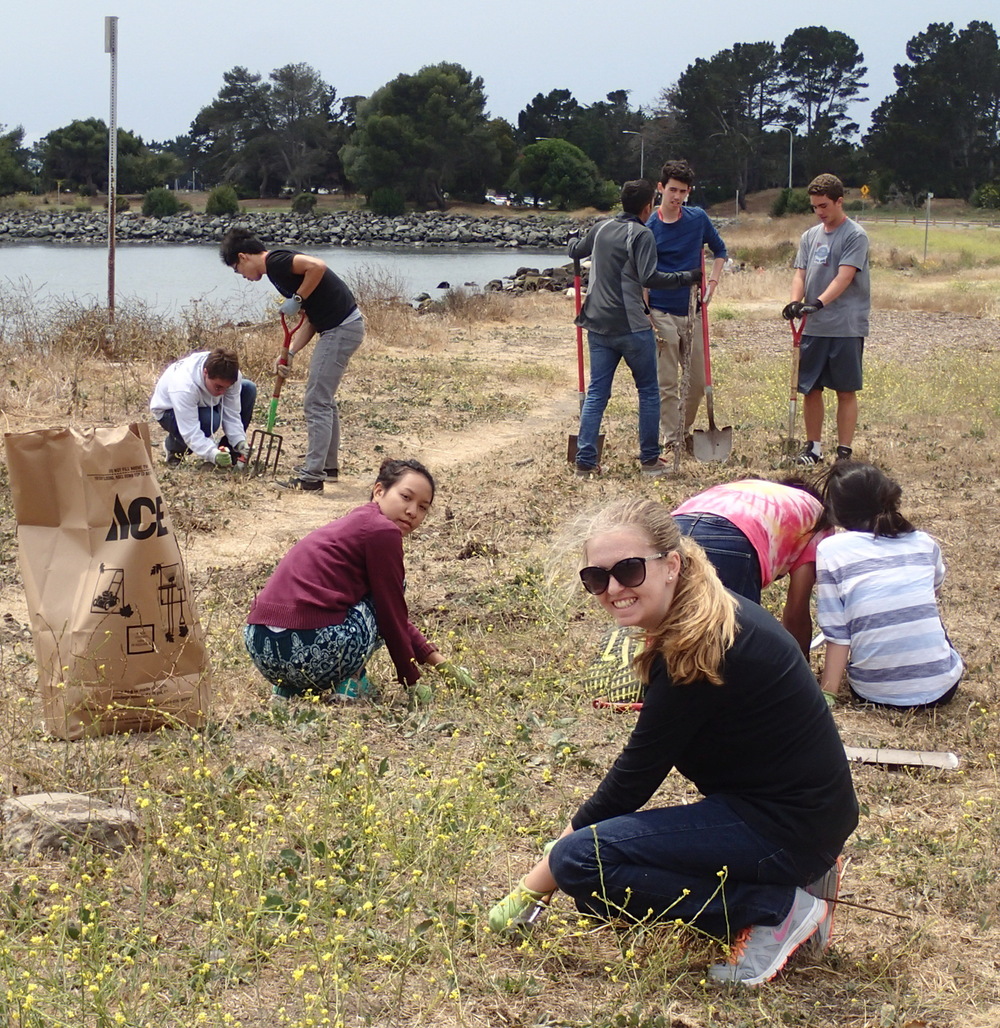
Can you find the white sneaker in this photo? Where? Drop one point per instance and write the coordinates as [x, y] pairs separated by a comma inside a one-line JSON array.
[[767, 948]]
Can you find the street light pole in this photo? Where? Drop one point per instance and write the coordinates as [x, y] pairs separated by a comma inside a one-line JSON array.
[[784, 128], [642, 150]]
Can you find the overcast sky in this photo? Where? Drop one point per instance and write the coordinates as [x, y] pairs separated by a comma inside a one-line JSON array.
[[172, 53]]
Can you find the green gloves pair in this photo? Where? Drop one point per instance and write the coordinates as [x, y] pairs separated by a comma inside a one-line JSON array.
[[456, 675], [518, 902]]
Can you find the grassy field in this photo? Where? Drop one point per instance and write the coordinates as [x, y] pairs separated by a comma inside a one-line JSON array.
[[334, 865]]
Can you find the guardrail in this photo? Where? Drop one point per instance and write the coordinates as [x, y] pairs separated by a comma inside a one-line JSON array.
[[897, 219]]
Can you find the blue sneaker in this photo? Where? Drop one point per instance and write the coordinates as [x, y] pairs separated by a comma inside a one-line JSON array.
[[357, 687]]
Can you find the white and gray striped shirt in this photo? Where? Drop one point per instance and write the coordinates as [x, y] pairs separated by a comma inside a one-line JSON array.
[[878, 596]]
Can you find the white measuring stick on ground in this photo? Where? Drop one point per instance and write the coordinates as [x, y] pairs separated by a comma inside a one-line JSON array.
[[902, 758]]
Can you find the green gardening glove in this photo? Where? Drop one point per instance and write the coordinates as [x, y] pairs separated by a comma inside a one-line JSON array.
[[831, 699], [421, 695], [455, 674], [223, 460], [517, 902]]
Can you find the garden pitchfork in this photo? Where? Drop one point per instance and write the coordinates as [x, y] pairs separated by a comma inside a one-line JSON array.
[[265, 446]]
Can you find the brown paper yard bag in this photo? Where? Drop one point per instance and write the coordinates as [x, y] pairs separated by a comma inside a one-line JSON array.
[[118, 644]]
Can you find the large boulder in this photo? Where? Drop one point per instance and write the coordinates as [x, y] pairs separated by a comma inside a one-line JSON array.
[[48, 822]]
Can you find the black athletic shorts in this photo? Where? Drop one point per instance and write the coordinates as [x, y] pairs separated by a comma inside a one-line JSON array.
[[830, 362]]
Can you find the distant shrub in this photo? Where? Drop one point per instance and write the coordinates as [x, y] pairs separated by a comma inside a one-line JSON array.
[[606, 195], [791, 201], [122, 203], [766, 255], [854, 205], [387, 201], [987, 196], [304, 203], [222, 200], [17, 202], [86, 190], [160, 203]]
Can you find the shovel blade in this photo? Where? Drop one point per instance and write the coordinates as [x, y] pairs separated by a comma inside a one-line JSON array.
[[265, 452], [713, 444], [571, 448]]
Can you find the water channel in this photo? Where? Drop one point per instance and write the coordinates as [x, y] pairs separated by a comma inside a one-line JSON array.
[[166, 278]]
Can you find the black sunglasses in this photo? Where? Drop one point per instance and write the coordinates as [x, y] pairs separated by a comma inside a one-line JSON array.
[[630, 572]]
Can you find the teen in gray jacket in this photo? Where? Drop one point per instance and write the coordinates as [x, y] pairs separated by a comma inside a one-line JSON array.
[[623, 262]]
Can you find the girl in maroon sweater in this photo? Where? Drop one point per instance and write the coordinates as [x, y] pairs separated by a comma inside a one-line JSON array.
[[337, 595]]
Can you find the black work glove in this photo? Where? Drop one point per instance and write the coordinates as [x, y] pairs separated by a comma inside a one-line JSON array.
[[689, 278], [799, 309]]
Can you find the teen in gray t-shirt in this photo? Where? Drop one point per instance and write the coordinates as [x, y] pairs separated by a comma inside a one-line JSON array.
[[831, 290], [821, 254]]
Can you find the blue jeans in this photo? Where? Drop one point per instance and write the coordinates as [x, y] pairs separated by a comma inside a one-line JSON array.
[[730, 551], [209, 418], [668, 861], [638, 350]]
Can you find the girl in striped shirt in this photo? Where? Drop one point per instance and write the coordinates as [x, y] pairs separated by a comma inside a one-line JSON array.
[[877, 585]]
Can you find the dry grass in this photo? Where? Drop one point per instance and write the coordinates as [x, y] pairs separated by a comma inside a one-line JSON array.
[[334, 866], [961, 273]]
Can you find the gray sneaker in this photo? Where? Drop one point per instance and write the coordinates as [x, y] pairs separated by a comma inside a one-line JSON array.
[[768, 947], [826, 887], [654, 468]]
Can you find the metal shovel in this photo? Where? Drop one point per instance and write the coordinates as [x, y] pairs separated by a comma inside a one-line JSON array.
[[716, 443], [265, 445]]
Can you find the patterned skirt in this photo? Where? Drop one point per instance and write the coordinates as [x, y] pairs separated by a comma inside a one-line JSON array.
[[297, 661]]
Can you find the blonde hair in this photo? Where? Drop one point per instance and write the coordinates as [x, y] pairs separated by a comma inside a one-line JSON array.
[[700, 625]]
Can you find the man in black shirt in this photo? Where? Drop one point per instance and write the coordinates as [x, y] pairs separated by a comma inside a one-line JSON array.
[[331, 312]]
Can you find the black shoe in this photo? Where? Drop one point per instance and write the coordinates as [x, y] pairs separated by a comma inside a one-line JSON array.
[[173, 459], [843, 453], [332, 474], [808, 456], [306, 485], [588, 471]]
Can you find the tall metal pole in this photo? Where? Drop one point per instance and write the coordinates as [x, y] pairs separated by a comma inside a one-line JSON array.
[[111, 47], [642, 150], [927, 223], [783, 128]]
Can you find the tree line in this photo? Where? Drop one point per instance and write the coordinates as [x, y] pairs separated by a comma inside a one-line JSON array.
[[426, 136]]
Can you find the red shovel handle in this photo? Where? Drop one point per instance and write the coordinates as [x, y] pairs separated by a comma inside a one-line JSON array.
[[577, 290]]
